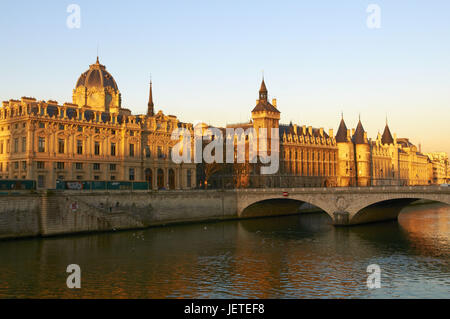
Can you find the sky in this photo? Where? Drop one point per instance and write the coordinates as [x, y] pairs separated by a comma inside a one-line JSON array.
[[206, 59]]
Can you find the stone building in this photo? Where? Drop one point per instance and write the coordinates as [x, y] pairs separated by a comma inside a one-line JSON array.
[[311, 157], [93, 138], [439, 172], [387, 160], [308, 156]]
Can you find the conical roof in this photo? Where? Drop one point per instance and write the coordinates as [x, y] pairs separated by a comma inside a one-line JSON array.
[[358, 137], [387, 136], [341, 135]]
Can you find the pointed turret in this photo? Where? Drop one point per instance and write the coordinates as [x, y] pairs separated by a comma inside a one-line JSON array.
[[359, 136], [263, 103], [386, 138], [263, 91], [341, 135], [150, 109]]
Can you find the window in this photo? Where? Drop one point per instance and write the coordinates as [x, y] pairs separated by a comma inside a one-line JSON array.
[[97, 148], [16, 145], [24, 165], [96, 177], [41, 125], [131, 150], [189, 178], [61, 146], [1, 167], [16, 165], [78, 165], [80, 129], [41, 144], [40, 165], [160, 153], [60, 165], [24, 144], [61, 127], [113, 178], [147, 151], [131, 133], [96, 166], [97, 130], [79, 147], [79, 177], [113, 149], [41, 181], [112, 167], [7, 146], [131, 174]]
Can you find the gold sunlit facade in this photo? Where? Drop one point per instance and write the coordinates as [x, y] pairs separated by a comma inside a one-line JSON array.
[[91, 139]]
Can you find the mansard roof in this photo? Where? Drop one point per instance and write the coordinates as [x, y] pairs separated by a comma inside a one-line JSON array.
[[265, 106], [289, 129]]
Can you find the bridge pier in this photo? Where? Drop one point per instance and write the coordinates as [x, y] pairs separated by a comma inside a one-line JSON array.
[[341, 218]]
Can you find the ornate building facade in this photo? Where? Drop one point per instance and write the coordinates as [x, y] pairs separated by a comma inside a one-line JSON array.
[[311, 157], [95, 139], [92, 138]]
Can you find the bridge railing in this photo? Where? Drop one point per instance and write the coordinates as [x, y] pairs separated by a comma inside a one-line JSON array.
[[295, 181]]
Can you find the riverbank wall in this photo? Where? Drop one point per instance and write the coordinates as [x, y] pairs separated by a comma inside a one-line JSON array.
[[70, 212], [53, 213]]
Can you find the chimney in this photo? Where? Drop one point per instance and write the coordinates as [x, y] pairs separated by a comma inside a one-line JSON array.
[[304, 129], [353, 131], [321, 131], [331, 133], [365, 136], [295, 128], [348, 134], [274, 102], [310, 130]]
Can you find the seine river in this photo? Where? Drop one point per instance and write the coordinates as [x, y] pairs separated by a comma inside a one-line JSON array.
[[299, 256]]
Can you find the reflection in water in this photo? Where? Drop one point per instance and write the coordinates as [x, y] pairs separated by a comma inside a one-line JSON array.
[[301, 256]]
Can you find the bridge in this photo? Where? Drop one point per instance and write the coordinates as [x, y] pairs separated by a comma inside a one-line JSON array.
[[50, 213], [345, 205]]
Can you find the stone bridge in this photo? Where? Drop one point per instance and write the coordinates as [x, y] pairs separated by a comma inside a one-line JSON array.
[[346, 206]]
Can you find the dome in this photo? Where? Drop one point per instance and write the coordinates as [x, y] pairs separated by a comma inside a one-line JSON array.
[[97, 77]]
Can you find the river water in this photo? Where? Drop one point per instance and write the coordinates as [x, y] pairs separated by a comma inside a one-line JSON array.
[[300, 256]]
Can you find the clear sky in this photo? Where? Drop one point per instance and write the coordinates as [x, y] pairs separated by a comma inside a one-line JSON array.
[[206, 57]]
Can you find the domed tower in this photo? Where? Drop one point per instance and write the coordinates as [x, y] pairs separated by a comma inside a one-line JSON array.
[[346, 156], [97, 89], [362, 155]]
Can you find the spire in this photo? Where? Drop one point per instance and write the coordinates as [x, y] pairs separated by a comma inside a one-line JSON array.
[[263, 91], [341, 135], [150, 110], [358, 137], [387, 136]]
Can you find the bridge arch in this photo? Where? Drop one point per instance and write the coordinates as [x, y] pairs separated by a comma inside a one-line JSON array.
[[375, 210], [348, 205], [277, 205]]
